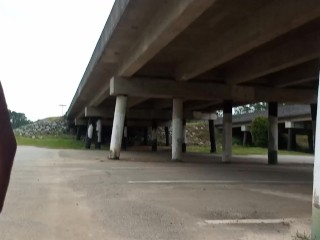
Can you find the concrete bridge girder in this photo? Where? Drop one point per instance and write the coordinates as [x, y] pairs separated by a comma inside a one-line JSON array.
[[212, 56], [159, 88]]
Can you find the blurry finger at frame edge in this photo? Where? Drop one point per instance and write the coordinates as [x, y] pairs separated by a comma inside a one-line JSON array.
[[8, 147]]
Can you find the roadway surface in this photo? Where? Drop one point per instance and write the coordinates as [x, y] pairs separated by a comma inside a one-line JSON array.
[[69, 194]]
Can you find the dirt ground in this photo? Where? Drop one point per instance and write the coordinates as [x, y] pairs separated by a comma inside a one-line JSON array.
[[69, 194]]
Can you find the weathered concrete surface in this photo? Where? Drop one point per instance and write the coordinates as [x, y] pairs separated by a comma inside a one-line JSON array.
[[82, 195], [146, 44], [118, 126]]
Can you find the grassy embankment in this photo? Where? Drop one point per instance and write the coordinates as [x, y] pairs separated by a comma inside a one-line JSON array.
[[69, 142], [199, 132], [239, 150], [60, 142], [198, 141]]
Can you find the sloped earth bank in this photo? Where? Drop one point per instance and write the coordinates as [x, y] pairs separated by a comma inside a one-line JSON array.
[[60, 194]]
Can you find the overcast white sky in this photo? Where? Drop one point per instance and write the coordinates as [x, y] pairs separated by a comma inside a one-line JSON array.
[[45, 46]]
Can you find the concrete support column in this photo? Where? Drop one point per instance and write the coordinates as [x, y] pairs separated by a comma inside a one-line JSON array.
[[290, 132], [184, 136], [89, 134], [117, 127], [166, 130], [314, 121], [213, 147], [294, 140], [245, 138], [227, 131], [273, 133], [291, 139], [125, 137], [104, 135], [78, 136], [145, 136], [154, 139], [177, 129], [315, 229], [246, 131], [99, 133]]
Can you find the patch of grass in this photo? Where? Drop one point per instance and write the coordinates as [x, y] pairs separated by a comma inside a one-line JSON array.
[[196, 123], [59, 142], [69, 142], [53, 119], [239, 150]]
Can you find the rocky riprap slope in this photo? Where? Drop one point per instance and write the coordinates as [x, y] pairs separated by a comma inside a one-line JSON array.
[[197, 134], [49, 126]]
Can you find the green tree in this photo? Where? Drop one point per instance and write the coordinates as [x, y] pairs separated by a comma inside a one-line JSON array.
[[18, 119], [259, 131]]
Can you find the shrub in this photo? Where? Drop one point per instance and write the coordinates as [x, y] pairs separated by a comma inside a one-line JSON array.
[[237, 141], [259, 131]]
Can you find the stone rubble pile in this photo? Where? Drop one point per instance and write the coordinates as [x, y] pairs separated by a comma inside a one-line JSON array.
[[197, 134], [49, 126]]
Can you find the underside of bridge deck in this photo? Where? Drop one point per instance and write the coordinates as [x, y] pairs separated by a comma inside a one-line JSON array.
[[158, 62]]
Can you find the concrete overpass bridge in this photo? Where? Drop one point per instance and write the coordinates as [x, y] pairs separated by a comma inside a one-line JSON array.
[[161, 60]]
